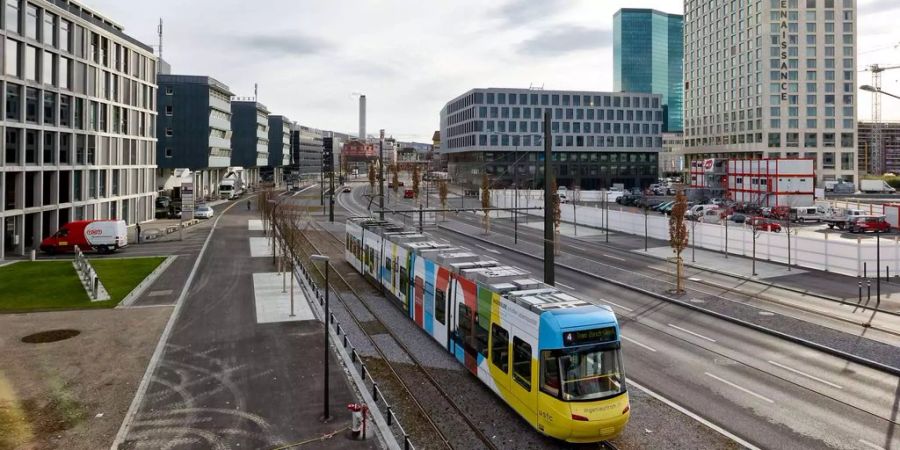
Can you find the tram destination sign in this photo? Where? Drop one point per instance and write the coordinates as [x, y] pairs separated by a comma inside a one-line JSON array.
[[592, 336]]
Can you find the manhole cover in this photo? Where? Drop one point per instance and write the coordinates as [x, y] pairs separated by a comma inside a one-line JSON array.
[[50, 336]]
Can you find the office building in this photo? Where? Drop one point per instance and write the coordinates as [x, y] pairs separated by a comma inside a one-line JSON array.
[[250, 137], [772, 79], [599, 138], [279, 148], [890, 140], [306, 148], [79, 122], [671, 157], [194, 130], [648, 54]]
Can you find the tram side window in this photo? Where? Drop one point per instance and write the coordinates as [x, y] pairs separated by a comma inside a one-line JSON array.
[[404, 281], [500, 348], [465, 325], [522, 363], [481, 335], [388, 266], [550, 374], [440, 306]]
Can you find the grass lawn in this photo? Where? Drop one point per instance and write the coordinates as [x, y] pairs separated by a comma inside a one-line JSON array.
[[29, 286]]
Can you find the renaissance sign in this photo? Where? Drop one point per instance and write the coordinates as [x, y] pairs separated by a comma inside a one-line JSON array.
[[783, 27]]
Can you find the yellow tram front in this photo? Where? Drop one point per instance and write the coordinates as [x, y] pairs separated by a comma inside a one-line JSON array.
[[582, 396]]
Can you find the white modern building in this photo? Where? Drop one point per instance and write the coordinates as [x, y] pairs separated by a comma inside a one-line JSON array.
[[599, 138], [772, 79], [671, 157], [79, 122]]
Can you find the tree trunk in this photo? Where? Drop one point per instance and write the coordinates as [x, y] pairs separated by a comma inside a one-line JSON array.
[[679, 274]]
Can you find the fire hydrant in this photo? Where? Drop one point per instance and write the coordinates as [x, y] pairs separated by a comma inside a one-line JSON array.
[[359, 412]]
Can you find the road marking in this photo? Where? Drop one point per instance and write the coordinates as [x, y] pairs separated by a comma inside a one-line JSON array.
[[870, 445], [618, 305], [691, 332], [614, 257], [444, 240], [805, 374], [741, 388], [487, 249], [638, 343], [161, 293], [565, 285], [694, 279], [690, 414]]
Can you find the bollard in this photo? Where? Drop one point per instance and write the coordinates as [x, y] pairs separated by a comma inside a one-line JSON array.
[[860, 289], [868, 290], [865, 275], [375, 392], [390, 416], [96, 286], [406, 442]]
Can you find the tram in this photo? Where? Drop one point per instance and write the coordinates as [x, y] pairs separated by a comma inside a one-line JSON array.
[[552, 357]]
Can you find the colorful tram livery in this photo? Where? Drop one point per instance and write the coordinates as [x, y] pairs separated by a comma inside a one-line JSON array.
[[555, 359]]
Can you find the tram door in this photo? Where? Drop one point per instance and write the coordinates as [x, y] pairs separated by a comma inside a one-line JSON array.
[[419, 295]]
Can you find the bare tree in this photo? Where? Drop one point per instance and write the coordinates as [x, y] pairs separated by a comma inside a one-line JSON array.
[[415, 181], [557, 215], [395, 177], [678, 237], [443, 190], [486, 202], [372, 177]]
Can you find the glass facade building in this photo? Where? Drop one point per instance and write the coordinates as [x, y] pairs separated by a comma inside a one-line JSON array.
[[599, 138], [648, 56]]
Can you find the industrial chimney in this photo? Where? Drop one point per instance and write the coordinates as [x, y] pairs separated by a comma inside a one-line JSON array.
[[362, 117]]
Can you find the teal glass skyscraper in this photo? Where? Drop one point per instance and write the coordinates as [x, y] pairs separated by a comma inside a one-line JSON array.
[[648, 53]]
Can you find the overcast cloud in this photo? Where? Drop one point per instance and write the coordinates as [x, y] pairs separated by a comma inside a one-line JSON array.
[[411, 56]]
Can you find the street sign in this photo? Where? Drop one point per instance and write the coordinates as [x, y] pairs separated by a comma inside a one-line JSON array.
[[187, 197]]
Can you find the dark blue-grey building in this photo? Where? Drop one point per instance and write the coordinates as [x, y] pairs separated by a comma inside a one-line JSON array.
[[648, 56], [250, 137], [279, 147], [193, 129]]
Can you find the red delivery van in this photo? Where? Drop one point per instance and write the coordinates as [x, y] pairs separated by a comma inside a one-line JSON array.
[[104, 236]]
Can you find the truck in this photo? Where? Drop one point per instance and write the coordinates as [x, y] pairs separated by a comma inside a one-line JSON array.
[[232, 186], [841, 218], [892, 214], [876, 187], [102, 236]]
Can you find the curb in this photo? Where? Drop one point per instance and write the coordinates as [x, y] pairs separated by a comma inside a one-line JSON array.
[[146, 282], [813, 345]]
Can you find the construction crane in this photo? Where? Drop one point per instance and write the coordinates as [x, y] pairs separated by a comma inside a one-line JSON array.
[[875, 89]]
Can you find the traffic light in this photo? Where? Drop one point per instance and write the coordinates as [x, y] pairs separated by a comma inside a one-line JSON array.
[[327, 155]]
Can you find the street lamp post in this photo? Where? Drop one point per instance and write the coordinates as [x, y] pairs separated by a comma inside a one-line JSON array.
[[322, 258]]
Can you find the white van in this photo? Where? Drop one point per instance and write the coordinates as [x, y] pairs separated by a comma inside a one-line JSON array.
[[805, 214], [713, 215], [697, 211]]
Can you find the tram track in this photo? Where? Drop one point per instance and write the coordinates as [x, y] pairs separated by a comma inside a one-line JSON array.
[[341, 287]]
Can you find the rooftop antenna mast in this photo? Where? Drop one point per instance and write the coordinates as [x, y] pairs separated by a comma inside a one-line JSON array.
[[255, 91], [159, 31]]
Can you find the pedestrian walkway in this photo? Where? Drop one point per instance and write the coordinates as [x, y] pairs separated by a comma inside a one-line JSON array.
[[732, 265], [236, 370]]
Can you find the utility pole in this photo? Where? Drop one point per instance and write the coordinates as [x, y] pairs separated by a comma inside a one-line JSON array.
[[381, 175], [549, 241]]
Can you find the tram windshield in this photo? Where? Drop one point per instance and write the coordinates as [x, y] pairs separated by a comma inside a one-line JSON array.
[[590, 373]]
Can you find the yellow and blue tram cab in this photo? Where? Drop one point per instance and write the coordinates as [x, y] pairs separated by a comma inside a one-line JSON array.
[[582, 395]]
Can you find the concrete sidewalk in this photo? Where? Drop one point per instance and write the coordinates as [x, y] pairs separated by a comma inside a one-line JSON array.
[[235, 371]]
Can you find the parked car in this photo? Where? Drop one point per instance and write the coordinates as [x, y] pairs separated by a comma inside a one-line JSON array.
[[203, 212], [409, 193], [763, 224], [627, 199], [660, 206], [712, 216], [738, 218], [104, 236], [347, 189], [862, 224], [805, 214]]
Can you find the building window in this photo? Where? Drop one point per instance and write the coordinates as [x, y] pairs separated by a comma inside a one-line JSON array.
[[13, 101], [31, 21], [49, 108], [64, 35], [828, 139], [47, 68], [12, 57], [170, 90], [847, 140], [846, 161], [63, 81], [828, 160], [31, 104], [12, 15], [169, 152], [774, 140], [168, 110], [810, 140], [30, 63], [49, 31], [169, 132]]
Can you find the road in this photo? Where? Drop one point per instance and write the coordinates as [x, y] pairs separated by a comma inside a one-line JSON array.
[[770, 392]]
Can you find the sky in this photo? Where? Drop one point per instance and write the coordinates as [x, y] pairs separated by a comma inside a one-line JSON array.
[[310, 57]]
